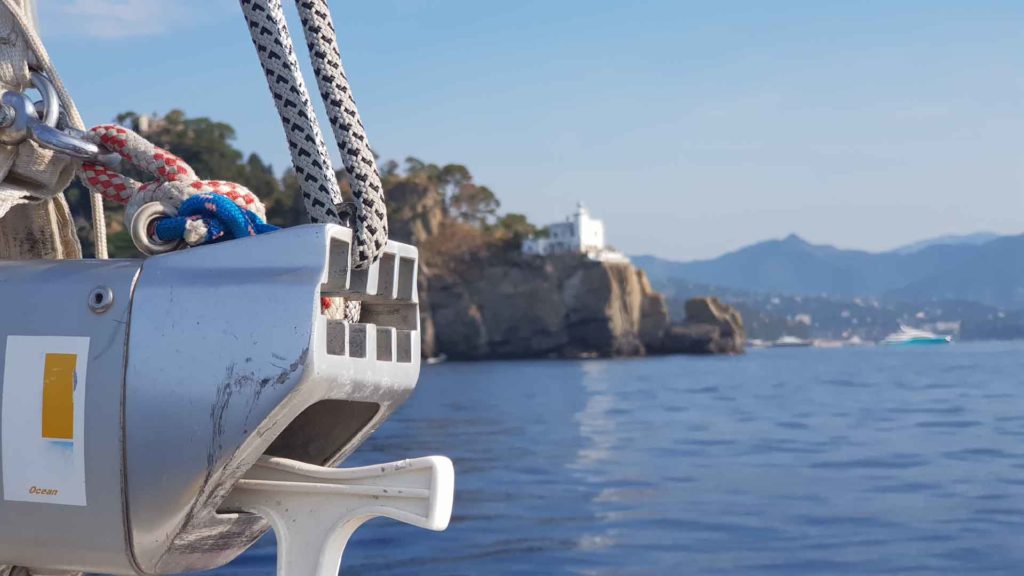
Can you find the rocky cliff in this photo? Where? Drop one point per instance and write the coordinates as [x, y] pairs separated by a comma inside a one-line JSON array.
[[521, 307]]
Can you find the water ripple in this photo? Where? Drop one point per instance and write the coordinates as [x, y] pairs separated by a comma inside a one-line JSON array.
[[793, 462]]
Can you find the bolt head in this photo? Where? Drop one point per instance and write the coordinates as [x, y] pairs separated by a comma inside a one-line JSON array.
[[101, 298]]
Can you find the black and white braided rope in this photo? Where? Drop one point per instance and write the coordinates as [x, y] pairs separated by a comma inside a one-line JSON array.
[[371, 214], [317, 181], [269, 32]]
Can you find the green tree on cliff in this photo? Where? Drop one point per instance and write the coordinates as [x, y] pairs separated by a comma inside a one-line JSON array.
[[465, 200], [474, 205], [513, 228]]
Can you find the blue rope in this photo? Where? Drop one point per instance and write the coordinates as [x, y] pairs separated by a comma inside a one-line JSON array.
[[224, 220]]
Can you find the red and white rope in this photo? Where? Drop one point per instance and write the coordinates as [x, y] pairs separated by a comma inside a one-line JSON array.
[[174, 180]]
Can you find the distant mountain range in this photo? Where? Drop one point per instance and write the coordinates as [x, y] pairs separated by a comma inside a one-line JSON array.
[[983, 268], [969, 239]]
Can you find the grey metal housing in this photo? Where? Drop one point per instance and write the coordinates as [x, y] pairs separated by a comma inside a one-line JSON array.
[[220, 354]]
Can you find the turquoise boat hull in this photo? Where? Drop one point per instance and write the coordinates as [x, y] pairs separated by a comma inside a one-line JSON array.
[[920, 342]]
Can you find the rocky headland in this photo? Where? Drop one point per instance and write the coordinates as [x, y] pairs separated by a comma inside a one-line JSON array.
[[565, 306], [480, 298]]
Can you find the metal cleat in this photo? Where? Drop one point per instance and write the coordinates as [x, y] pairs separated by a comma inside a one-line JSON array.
[[315, 510]]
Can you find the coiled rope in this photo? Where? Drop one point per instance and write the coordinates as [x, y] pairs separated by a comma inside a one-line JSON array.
[[317, 180]]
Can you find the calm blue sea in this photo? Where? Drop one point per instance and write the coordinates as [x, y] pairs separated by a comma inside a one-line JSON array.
[[795, 461]]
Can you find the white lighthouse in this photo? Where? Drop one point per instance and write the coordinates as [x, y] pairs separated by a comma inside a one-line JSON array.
[[579, 234]]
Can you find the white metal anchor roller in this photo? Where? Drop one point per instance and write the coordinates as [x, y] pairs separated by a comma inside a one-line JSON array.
[[155, 412]]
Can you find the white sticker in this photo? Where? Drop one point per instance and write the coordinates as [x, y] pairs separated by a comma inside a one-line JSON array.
[[43, 419]]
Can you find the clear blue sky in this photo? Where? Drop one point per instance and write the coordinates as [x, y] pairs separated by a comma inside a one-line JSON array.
[[692, 128]]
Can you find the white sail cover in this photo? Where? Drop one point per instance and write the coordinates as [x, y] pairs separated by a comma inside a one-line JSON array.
[[35, 221]]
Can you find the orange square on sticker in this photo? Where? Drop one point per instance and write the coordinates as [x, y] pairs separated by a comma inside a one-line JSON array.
[[58, 396]]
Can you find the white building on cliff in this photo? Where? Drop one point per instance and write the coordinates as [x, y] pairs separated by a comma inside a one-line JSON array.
[[579, 234]]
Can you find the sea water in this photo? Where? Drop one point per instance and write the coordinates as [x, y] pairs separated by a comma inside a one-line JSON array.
[[789, 461]]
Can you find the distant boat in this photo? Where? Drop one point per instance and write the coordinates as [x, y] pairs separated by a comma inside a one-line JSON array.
[[826, 343], [437, 359], [908, 336], [791, 342], [855, 341]]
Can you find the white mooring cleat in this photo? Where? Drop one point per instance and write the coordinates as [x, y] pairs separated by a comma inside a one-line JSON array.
[[314, 510]]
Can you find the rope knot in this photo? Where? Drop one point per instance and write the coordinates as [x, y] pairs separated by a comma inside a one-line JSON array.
[[206, 218], [206, 210]]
